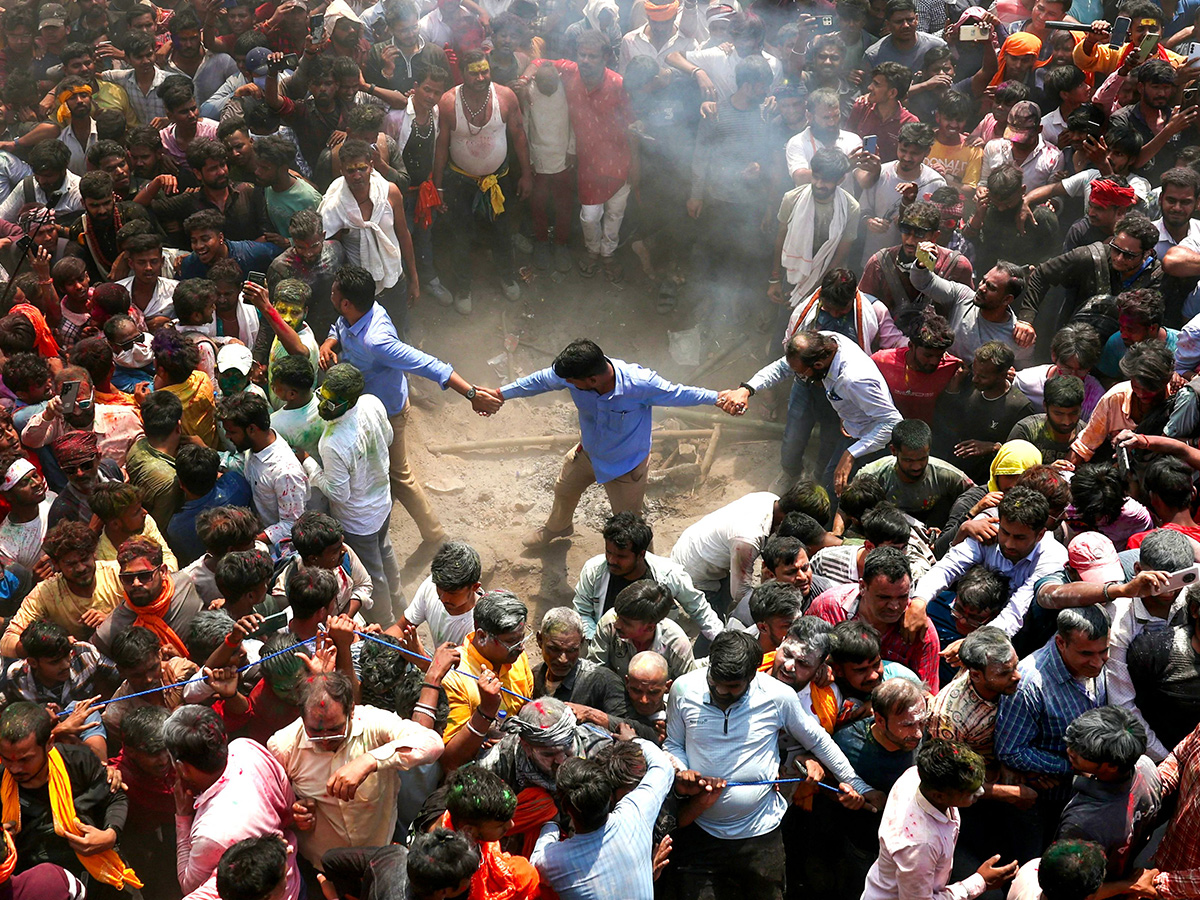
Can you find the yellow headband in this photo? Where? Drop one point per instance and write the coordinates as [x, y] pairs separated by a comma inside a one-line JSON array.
[[67, 93], [481, 66]]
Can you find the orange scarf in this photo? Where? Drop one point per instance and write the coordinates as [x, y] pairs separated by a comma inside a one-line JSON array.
[[824, 704], [1022, 43], [106, 867], [151, 617], [43, 338], [10, 861], [500, 876]]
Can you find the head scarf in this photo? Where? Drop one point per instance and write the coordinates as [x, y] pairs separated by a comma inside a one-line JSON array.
[[1109, 193], [74, 447], [64, 115], [664, 12], [1013, 458], [593, 8], [556, 734], [1020, 44], [18, 470], [33, 219]]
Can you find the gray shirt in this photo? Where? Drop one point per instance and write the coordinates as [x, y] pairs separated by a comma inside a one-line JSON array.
[[971, 330], [885, 50]]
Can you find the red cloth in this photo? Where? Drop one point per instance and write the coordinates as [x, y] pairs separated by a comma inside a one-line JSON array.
[[535, 807], [601, 120], [914, 393], [151, 802], [864, 119], [502, 876], [922, 657], [267, 714], [1186, 530]]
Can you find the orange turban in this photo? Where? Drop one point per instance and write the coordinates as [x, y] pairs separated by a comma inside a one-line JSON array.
[[1022, 43], [662, 12]]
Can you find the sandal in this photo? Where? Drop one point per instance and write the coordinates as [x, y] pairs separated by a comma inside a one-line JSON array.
[[589, 265], [613, 271], [667, 300]]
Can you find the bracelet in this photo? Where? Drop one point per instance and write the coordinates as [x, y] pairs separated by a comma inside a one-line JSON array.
[[774, 281], [747, 387], [425, 708], [479, 710], [429, 684], [232, 644], [474, 731], [1107, 585]]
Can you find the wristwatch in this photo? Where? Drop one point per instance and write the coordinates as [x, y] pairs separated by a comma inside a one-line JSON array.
[[470, 395]]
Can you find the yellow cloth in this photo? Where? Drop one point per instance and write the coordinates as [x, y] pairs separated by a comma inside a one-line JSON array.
[[107, 866], [463, 692], [53, 600], [1103, 59], [490, 185], [106, 551], [1013, 458], [199, 407], [961, 162]]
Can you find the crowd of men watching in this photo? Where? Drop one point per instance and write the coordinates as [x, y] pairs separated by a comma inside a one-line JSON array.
[[954, 650]]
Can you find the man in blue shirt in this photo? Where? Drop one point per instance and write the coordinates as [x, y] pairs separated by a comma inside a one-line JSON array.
[[204, 487], [614, 399], [365, 337], [723, 725], [205, 231]]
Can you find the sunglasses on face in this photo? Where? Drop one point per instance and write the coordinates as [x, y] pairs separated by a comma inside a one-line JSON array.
[[1121, 251]]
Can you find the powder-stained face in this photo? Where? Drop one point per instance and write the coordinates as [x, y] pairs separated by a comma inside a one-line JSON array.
[[292, 313]]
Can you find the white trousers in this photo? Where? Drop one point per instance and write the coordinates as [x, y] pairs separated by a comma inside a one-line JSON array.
[[602, 222]]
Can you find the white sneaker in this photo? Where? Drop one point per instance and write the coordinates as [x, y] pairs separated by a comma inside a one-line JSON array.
[[439, 291], [462, 303]]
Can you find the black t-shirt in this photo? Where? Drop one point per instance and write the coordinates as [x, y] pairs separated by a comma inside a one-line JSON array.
[[1165, 672], [615, 586], [971, 416]]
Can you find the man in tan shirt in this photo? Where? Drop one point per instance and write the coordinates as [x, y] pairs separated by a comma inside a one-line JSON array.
[[344, 763], [78, 598]]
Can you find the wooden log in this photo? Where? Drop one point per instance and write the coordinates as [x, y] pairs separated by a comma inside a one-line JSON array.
[[675, 473], [710, 453], [730, 423], [554, 440]]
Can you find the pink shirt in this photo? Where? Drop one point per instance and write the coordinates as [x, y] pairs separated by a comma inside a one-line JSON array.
[[1109, 417], [251, 799], [205, 128]]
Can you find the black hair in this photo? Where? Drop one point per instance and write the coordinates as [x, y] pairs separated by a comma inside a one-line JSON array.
[[241, 571], [884, 524], [252, 868], [23, 371], [889, 562], [356, 286], [803, 526], [295, 372], [133, 646], [246, 409], [584, 789], [223, 528], [949, 766], [311, 589], [197, 468], [141, 728], [775, 600], [440, 860], [911, 434], [644, 601], [314, 532], [863, 492], [1025, 506], [854, 641], [1097, 493], [628, 531], [1170, 479], [474, 794], [1064, 392], [809, 498], [44, 639], [192, 297], [161, 414], [580, 359], [778, 549], [734, 656], [982, 590], [196, 735], [22, 719], [1072, 870]]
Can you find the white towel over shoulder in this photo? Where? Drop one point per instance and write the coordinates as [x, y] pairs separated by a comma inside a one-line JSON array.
[[804, 267], [370, 244]]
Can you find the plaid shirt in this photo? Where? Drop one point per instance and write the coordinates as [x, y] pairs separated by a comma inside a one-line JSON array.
[[841, 603], [1178, 855], [87, 666], [1032, 723]]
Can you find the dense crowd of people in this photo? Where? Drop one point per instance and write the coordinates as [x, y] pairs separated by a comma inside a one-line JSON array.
[[954, 650]]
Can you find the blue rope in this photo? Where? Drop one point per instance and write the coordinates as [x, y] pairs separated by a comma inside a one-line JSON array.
[[412, 653], [820, 784], [197, 679]]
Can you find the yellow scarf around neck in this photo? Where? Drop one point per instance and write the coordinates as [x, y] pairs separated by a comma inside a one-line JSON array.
[[107, 866]]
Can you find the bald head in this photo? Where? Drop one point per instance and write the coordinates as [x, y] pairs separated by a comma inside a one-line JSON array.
[[648, 666]]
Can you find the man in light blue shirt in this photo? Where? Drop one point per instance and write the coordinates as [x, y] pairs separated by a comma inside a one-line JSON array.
[[365, 337], [723, 725], [614, 399], [611, 853]]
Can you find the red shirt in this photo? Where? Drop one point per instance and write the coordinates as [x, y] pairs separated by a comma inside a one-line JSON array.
[[914, 393], [601, 120], [922, 657], [864, 120], [1136, 541]]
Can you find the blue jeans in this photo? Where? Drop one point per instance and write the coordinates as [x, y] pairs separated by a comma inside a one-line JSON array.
[[808, 406]]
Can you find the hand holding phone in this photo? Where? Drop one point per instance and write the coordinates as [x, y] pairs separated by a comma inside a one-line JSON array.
[[271, 624], [1177, 581], [69, 396], [1120, 31], [871, 144]]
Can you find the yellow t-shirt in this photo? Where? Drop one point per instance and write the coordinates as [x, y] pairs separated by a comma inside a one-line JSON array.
[[199, 407], [962, 163], [463, 693], [106, 551]]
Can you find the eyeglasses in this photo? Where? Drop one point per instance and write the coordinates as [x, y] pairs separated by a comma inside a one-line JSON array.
[[355, 170], [76, 468], [340, 736], [139, 577], [969, 618], [512, 646], [1121, 251]]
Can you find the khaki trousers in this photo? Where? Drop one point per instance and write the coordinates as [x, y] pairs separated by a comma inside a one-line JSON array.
[[625, 494], [405, 486]]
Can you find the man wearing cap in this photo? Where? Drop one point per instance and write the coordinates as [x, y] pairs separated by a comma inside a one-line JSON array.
[[1094, 575], [234, 362], [1023, 146], [79, 460], [53, 37], [658, 38]]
